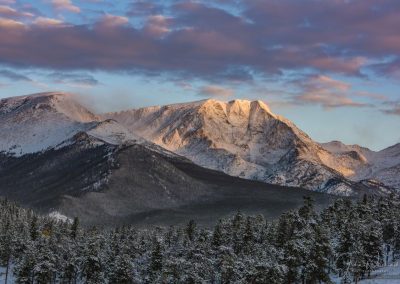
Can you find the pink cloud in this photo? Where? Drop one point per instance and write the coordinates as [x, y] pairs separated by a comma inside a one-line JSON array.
[[65, 5], [9, 12], [329, 100], [157, 25], [266, 38], [48, 22], [327, 92], [113, 21], [9, 24], [215, 91]]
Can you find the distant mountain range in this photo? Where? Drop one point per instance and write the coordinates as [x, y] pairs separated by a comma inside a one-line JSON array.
[[166, 164]]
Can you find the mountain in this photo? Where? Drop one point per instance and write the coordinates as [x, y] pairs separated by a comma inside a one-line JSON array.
[[30, 124], [245, 139], [382, 166], [57, 156]]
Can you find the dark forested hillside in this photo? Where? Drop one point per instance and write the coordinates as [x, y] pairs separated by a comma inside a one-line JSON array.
[[302, 246], [136, 184]]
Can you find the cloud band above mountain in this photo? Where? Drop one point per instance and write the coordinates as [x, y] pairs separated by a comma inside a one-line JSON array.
[[200, 38]]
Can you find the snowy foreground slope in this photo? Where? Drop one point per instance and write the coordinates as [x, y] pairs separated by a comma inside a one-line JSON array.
[[383, 275], [245, 139]]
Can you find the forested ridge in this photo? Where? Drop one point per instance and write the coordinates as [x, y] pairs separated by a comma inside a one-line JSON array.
[[349, 239]]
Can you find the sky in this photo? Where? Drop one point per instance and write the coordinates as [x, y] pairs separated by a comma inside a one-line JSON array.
[[330, 66]]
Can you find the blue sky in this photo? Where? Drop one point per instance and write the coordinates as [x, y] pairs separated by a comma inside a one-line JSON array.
[[332, 67]]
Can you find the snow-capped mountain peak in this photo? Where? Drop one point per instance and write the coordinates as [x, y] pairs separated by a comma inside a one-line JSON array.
[[245, 138], [41, 121], [242, 138]]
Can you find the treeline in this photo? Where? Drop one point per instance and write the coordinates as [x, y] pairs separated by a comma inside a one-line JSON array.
[[302, 246]]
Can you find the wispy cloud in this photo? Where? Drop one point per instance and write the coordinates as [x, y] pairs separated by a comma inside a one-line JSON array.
[[325, 91], [66, 5], [157, 25], [11, 75], [73, 79], [9, 12], [215, 91], [9, 24], [392, 108], [109, 20], [48, 22]]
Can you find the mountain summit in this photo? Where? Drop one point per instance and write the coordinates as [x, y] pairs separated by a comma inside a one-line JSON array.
[[244, 138]]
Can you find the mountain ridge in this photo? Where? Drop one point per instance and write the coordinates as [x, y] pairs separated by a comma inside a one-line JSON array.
[[241, 138], [275, 145]]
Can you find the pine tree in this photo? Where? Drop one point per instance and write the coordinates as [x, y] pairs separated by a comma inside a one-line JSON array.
[[34, 229], [248, 236], [156, 261], [344, 250], [318, 267], [45, 266], [74, 228], [92, 263], [70, 262], [24, 268], [191, 230], [123, 270], [6, 246], [217, 238]]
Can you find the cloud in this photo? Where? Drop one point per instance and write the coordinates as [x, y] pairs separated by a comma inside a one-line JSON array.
[[157, 25], [391, 67], [326, 92], [73, 79], [66, 5], [215, 91], [213, 42], [113, 21], [144, 8], [392, 108], [329, 100], [394, 111], [11, 75], [9, 24], [320, 82], [48, 22], [9, 12]]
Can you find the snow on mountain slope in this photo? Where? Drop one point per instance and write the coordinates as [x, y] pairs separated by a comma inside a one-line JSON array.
[[383, 166], [34, 123], [242, 138]]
